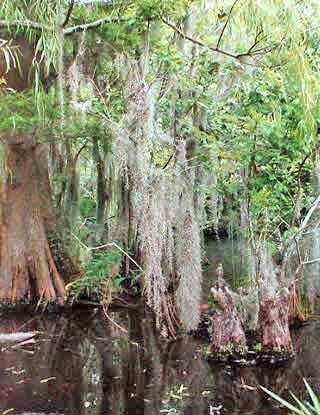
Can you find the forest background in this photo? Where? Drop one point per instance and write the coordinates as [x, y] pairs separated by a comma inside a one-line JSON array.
[[131, 130]]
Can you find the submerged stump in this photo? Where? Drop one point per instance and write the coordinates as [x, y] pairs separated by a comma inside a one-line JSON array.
[[273, 319], [273, 323], [228, 331]]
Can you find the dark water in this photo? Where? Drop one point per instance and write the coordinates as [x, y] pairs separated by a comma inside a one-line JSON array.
[[85, 364]]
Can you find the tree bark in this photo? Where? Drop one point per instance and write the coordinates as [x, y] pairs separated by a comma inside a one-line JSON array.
[[228, 331], [28, 268], [71, 205], [273, 319], [101, 192], [273, 323]]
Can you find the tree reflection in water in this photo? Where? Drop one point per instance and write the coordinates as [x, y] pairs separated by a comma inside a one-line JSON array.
[[85, 364]]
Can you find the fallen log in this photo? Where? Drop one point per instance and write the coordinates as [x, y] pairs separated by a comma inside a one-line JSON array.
[[17, 337]]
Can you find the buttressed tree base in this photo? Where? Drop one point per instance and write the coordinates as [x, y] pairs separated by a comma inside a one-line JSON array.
[[29, 265]]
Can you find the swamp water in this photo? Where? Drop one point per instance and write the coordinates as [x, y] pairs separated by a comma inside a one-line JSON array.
[[87, 364]]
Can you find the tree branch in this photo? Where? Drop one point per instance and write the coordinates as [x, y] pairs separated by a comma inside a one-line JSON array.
[[17, 337], [251, 52], [168, 161], [66, 20], [26, 23], [92, 25], [313, 261], [297, 236], [66, 31], [79, 152], [226, 23], [196, 41]]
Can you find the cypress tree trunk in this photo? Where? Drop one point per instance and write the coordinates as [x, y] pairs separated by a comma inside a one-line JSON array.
[[27, 265], [31, 259], [273, 318], [273, 322], [228, 329]]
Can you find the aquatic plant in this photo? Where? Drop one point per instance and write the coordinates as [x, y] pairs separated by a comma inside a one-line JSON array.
[[299, 407]]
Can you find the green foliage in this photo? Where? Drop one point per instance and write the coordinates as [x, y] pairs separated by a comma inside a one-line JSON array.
[[20, 112], [87, 206], [259, 133], [299, 407], [174, 398], [98, 280]]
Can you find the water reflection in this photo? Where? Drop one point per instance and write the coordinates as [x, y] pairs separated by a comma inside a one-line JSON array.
[[85, 364]]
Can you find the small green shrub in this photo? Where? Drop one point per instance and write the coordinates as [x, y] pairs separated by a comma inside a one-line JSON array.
[[98, 280]]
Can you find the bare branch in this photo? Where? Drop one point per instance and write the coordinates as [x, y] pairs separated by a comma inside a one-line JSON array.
[[315, 206], [168, 161], [105, 310], [226, 23], [257, 40], [17, 337], [27, 23], [66, 31], [79, 152], [106, 246], [92, 25], [251, 52], [313, 261], [196, 41], [3, 43], [66, 20], [297, 236]]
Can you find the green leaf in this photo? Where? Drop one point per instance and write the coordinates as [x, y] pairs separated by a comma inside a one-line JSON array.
[[304, 409], [313, 396], [282, 401]]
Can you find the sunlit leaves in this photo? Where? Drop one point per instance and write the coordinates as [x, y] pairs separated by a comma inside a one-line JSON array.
[[260, 133]]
